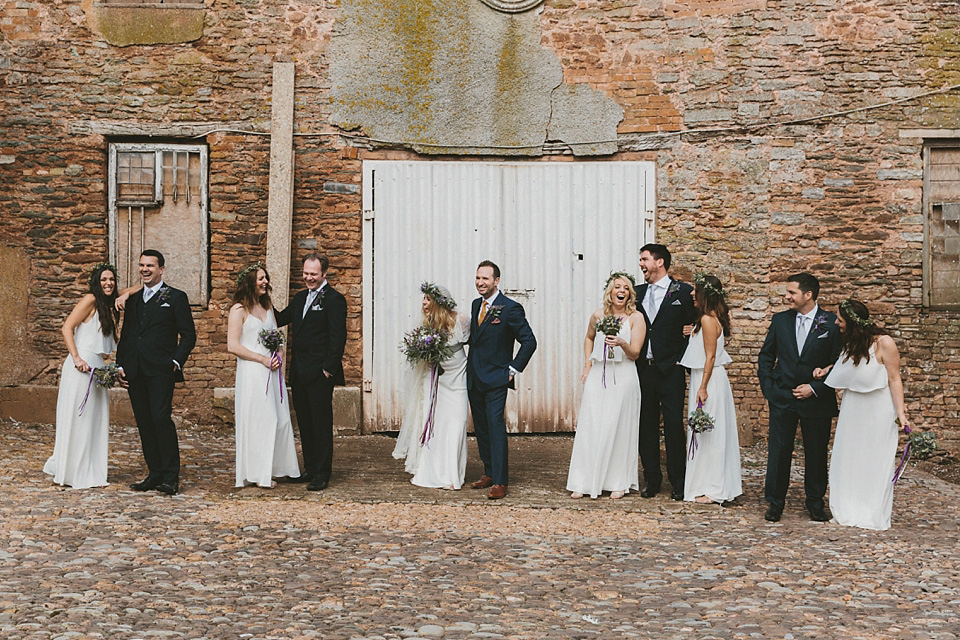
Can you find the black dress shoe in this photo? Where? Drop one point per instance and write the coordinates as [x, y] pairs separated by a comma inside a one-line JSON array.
[[773, 514], [169, 488], [649, 490], [303, 477], [318, 484], [677, 494], [818, 514], [146, 485]]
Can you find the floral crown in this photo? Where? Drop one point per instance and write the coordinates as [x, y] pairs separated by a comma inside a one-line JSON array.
[[850, 313], [701, 281], [253, 267], [620, 274], [438, 295], [105, 265]]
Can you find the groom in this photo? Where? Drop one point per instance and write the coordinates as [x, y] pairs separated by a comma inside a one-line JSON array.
[[157, 337], [496, 323], [319, 318], [799, 340], [667, 306]]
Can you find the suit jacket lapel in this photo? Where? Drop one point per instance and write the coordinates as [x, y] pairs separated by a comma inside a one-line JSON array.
[[487, 318], [299, 302]]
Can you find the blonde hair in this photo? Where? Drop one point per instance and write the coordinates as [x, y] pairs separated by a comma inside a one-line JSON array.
[[437, 317], [631, 306]]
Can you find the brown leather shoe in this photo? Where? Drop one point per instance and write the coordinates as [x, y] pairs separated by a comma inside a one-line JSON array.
[[482, 483], [497, 491]]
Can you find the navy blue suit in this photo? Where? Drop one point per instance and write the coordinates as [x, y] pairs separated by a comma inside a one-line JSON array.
[[155, 334], [318, 339], [663, 385], [488, 376], [781, 368]]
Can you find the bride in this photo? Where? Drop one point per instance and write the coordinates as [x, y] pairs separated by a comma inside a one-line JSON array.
[[265, 447], [441, 461]]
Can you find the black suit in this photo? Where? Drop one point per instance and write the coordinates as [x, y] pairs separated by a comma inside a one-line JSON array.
[[317, 341], [663, 384], [155, 334], [782, 368]]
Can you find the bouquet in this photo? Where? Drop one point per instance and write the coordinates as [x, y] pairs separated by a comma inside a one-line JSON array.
[[430, 346], [272, 341], [923, 445], [699, 422], [106, 377], [608, 326]]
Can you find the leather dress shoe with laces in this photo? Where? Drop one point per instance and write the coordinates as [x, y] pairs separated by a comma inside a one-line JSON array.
[[169, 488], [818, 514], [677, 494], [483, 483], [773, 513], [649, 490], [146, 485], [318, 484], [497, 491]]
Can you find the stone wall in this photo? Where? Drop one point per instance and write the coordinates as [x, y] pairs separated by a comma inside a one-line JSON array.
[[702, 84]]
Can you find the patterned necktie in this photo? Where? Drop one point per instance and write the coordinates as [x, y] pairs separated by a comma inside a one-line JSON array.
[[651, 302], [147, 294], [311, 296], [483, 313]]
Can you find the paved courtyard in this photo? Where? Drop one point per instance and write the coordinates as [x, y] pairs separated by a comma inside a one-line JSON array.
[[375, 557]]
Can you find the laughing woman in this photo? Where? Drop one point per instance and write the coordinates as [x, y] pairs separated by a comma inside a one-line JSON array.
[[79, 457], [604, 454]]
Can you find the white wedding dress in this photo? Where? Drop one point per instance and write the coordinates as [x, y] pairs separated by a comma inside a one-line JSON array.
[[864, 456], [79, 457], [714, 470], [265, 447], [604, 454], [442, 461]]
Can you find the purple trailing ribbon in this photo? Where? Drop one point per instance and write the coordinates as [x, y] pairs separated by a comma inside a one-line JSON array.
[[692, 449], [87, 396], [607, 354], [431, 413], [906, 456], [279, 370]]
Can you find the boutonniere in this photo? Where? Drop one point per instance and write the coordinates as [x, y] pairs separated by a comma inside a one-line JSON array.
[[163, 295], [318, 301], [493, 313], [672, 289], [819, 323]]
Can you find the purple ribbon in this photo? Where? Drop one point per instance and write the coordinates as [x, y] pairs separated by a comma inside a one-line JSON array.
[[279, 370], [692, 449], [431, 413], [903, 460], [607, 353], [87, 396]]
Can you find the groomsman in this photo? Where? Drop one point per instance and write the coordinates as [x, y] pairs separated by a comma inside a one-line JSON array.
[[496, 323], [319, 318], [157, 337], [667, 305], [799, 340]]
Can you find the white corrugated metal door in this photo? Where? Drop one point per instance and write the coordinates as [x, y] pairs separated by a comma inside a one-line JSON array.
[[556, 230]]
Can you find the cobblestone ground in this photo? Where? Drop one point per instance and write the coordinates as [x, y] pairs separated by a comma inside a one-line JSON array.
[[375, 557]]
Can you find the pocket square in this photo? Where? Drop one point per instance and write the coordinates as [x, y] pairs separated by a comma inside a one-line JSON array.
[[495, 321], [165, 304], [822, 336], [316, 307], [676, 303]]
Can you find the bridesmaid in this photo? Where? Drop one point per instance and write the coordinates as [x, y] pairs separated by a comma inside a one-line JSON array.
[[265, 447], [79, 457], [713, 466], [604, 456], [865, 444]]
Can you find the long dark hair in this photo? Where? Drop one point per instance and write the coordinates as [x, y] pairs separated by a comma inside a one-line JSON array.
[[109, 316], [246, 293], [711, 300], [861, 331]]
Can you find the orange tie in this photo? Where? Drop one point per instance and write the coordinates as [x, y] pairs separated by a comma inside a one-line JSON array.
[[483, 313]]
